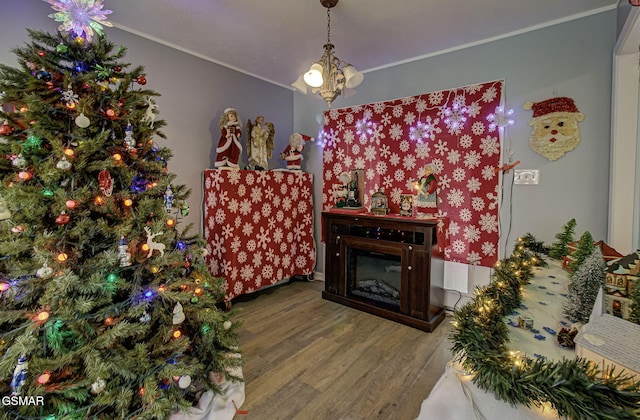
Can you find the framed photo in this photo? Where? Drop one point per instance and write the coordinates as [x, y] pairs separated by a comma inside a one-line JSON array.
[[379, 203], [406, 205]]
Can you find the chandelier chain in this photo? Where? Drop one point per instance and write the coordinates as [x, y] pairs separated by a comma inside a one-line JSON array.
[[328, 25]]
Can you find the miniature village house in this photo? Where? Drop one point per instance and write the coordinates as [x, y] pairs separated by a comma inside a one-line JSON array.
[[609, 254], [621, 275]]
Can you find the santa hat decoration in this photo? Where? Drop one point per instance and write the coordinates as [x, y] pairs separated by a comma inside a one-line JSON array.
[[552, 105], [306, 138], [227, 110]]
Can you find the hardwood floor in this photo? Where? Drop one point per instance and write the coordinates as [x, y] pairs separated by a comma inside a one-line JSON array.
[[311, 359]]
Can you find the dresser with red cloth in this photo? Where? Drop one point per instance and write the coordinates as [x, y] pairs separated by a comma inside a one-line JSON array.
[[258, 227]]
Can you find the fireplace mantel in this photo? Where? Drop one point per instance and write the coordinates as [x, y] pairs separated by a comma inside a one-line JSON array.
[[357, 242]]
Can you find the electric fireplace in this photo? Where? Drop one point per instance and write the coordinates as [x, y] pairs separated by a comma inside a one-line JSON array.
[[382, 265]]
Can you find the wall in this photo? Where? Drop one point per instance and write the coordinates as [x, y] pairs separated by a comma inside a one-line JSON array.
[[194, 94], [568, 59]]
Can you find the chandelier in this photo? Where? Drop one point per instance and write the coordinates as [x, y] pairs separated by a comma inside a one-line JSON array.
[[328, 76]]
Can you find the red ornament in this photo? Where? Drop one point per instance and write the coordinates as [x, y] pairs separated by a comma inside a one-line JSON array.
[[71, 204], [141, 79], [117, 69], [5, 129], [106, 182], [63, 219]]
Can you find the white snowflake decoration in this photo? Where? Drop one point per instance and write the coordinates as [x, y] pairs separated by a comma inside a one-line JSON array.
[[501, 118], [80, 17], [69, 96]]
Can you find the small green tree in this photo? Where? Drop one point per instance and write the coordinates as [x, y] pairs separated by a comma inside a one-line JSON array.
[[583, 250], [559, 248], [588, 278]]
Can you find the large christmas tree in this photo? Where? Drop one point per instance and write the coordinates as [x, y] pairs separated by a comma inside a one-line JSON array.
[[107, 309]]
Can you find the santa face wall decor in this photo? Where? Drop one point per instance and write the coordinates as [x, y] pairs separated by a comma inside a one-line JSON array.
[[555, 127]]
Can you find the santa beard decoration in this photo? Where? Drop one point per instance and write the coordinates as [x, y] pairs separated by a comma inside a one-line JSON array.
[[555, 127]]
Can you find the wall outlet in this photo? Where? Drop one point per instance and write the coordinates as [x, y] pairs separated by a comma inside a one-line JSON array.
[[526, 176]]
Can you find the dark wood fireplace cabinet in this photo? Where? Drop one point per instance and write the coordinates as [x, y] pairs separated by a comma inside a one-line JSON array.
[[382, 265]]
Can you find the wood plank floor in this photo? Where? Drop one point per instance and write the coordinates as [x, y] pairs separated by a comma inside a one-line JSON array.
[[311, 359]]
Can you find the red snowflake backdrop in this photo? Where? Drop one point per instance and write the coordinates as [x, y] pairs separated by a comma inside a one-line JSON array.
[[393, 141]]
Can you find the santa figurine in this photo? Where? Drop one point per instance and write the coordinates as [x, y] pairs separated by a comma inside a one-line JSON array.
[[292, 155]]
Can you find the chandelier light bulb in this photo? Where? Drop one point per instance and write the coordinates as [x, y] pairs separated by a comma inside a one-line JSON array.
[[353, 77], [314, 76]]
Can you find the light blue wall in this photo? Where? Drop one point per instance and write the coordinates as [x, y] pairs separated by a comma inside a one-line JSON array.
[[570, 59], [194, 94]]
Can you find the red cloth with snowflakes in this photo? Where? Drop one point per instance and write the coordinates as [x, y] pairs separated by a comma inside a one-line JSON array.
[[394, 140], [258, 226]]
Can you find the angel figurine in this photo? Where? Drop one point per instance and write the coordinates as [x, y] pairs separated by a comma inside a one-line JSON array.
[[260, 143]]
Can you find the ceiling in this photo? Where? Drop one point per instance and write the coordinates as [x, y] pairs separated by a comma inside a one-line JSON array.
[[277, 40]]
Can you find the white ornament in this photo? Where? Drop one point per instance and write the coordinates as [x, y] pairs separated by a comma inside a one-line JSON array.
[[19, 162], [124, 256], [98, 386], [154, 245], [226, 325], [168, 198], [82, 121], [44, 272], [178, 314], [184, 381], [129, 141], [145, 318], [63, 164], [149, 116]]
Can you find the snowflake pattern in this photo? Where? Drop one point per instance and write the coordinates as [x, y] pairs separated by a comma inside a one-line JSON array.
[[448, 128], [262, 231]]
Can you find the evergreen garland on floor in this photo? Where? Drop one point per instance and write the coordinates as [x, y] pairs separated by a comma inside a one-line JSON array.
[[575, 388]]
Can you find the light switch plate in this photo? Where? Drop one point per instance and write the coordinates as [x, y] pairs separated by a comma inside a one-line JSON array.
[[526, 176]]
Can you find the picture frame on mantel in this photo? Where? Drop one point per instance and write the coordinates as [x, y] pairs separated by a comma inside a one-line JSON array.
[[406, 205], [379, 203]]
